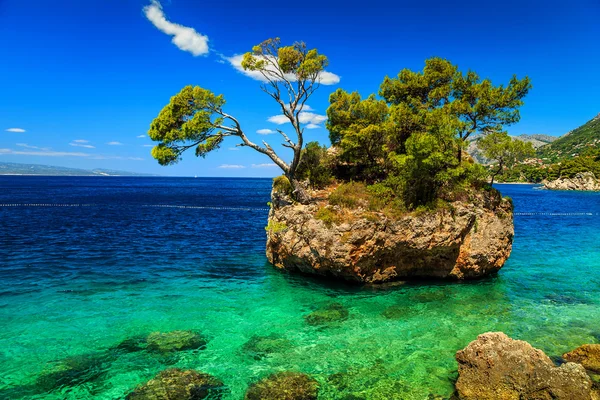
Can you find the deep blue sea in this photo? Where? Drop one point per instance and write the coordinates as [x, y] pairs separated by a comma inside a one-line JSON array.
[[88, 262]]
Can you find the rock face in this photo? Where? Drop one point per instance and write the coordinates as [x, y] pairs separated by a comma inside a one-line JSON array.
[[496, 367], [587, 355], [582, 181], [471, 239]]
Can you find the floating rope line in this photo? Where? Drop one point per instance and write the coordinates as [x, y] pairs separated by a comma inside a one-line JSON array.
[[142, 205], [557, 214]]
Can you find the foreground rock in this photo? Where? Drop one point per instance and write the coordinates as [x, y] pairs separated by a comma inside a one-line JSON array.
[[177, 384], [469, 239], [587, 355], [174, 341], [581, 181], [496, 367], [284, 386]]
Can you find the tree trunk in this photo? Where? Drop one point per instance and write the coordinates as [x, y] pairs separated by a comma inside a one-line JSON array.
[[298, 192]]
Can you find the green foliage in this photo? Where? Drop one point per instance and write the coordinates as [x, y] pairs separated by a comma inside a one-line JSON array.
[[314, 165], [349, 195], [282, 184], [191, 119], [411, 140], [327, 215], [504, 150], [581, 141], [275, 227]]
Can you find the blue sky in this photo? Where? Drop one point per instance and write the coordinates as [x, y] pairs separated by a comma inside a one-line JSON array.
[[81, 80]]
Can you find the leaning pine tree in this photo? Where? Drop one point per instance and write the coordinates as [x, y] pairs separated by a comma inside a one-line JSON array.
[[194, 118]]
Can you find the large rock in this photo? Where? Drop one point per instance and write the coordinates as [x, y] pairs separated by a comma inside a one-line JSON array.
[[284, 386], [587, 355], [496, 367], [469, 239], [177, 384], [581, 181]]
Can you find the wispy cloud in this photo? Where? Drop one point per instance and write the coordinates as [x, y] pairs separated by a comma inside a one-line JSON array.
[[187, 39], [25, 145], [265, 131], [101, 157], [233, 148], [114, 143], [147, 145], [45, 153], [231, 166], [324, 78], [16, 130], [313, 126], [141, 136], [304, 117], [81, 143], [266, 165]]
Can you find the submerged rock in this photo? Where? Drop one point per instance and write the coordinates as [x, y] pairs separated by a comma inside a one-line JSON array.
[[334, 312], [260, 347], [587, 355], [399, 312], [581, 181], [132, 345], [177, 384], [284, 386], [497, 367], [469, 239], [173, 341], [73, 371]]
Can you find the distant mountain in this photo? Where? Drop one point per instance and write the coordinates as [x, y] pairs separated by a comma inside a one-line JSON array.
[[573, 143], [537, 140], [48, 170]]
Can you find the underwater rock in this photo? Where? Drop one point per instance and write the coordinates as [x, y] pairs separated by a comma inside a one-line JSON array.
[[73, 371], [260, 347], [177, 384], [334, 312], [168, 342], [469, 239], [497, 367], [284, 386], [132, 345], [429, 296], [398, 312], [587, 355]]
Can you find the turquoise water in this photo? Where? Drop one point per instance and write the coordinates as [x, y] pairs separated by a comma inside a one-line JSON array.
[[124, 257]]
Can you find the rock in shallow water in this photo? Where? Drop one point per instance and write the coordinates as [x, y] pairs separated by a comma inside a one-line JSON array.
[[470, 239], [73, 371], [334, 312], [284, 386], [177, 384], [168, 342], [587, 355], [259, 347], [496, 367]]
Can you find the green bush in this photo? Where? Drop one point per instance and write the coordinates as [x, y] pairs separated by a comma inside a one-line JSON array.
[[350, 195], [327, 215], [282, 184], [314, 165]]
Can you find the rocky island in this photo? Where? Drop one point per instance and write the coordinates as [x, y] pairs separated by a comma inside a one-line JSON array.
[[585, 181], [466, 239]]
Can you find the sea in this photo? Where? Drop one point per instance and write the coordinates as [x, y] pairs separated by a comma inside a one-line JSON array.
[[89, 262]]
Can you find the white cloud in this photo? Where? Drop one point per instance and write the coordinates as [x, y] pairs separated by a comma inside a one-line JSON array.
[[231, 166], [81, 143], [304, 117], [265, 131], [187, 39], [313, 126], [233, 148], [147, 145], [266, 165], [141, 136], [16, 130], [33, 147], [45, 153], [114, 144], [325, 78]]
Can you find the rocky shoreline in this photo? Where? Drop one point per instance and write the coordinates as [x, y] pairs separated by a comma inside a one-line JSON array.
[[584, 181], [467, 239]]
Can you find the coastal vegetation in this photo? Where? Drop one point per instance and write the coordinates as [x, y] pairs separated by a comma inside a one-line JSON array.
[[406, 143]]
